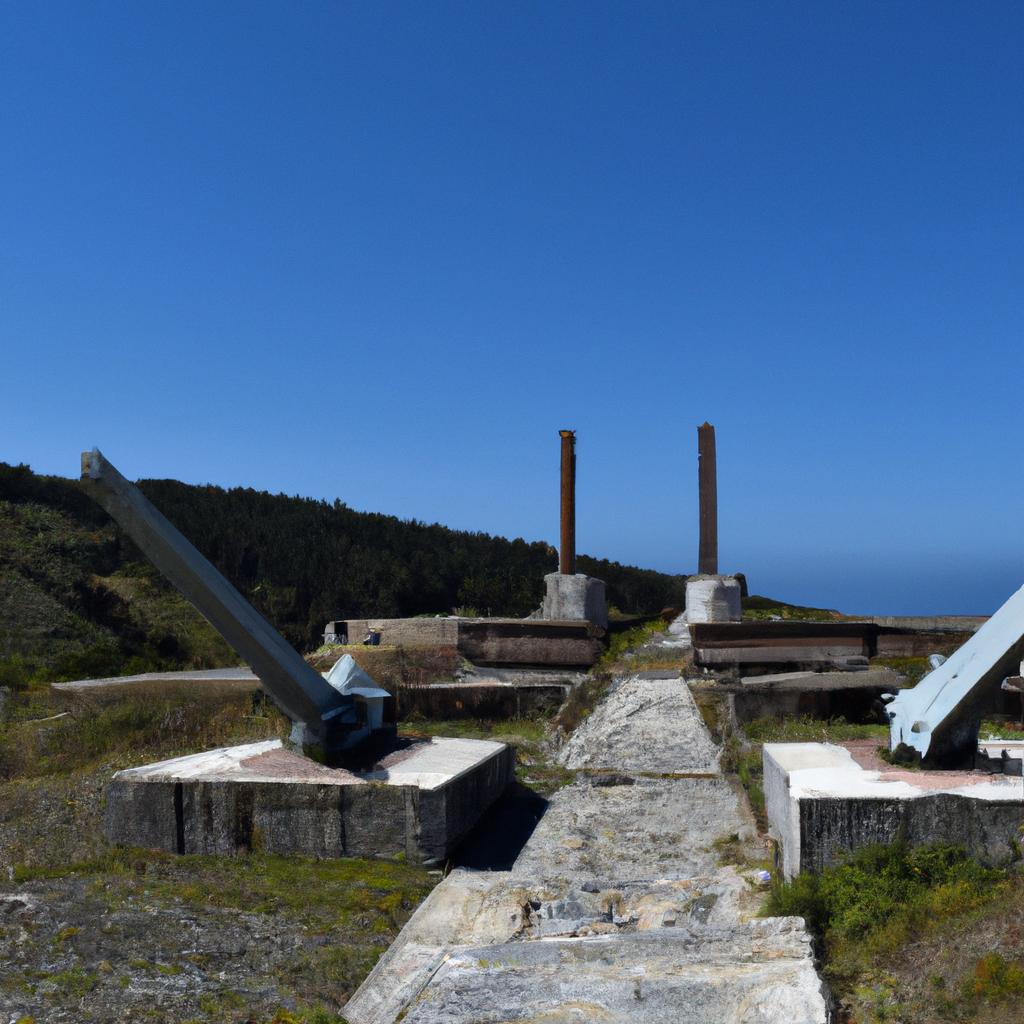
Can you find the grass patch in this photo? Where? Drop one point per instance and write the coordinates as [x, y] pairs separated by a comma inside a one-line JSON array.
[[582, 700], [1006, 729], [145, 726], [518, 731], [394, 667], [757, 607], [913, 670], [375, 895], [714, 709], [623, 643], [811, 730]]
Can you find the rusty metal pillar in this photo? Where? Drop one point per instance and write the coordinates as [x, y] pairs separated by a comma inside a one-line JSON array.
[[707, 473], [567, 545]]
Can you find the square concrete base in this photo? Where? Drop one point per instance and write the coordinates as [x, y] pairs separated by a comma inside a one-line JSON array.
[[824, 800], [419, 802], [713, 599], [575, 597]]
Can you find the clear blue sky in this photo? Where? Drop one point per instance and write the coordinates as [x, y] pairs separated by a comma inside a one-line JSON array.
[[382, 252]]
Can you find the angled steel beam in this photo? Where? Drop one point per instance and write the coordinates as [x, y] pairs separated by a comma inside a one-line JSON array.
[[939, 717], [322, 718]]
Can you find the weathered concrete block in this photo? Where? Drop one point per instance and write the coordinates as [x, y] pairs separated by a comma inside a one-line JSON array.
[[305, 820], [377, 821], [259, 796], [713, 599], [822, 803], [575, 597]]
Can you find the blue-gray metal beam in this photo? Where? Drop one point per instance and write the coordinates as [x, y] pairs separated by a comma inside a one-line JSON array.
[[939, 717], [320, 715]]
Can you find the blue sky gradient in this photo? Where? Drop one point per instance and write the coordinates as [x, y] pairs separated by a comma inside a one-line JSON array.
[[382, 252]]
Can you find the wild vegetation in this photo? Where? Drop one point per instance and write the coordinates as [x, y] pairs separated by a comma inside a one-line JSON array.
[[80, 600], [915, 934], [756, 607]]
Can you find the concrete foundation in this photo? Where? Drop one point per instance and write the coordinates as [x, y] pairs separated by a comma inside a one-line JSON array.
[[418, 802], [855, 696], [825, 800], [713, 599], [490, 641], [209, 680], [575, 596]]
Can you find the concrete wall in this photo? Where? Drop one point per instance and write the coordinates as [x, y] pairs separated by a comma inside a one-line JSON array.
[[782, 813], [855, 704], [918, 644], [445, 815], [831, 827], [949, 623], [424, 632]]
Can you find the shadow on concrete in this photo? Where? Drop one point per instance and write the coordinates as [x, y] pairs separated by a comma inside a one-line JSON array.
[[502, 832]]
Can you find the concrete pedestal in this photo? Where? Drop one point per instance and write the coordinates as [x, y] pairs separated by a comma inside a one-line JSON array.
[[824, 800], [713, 599], [575, 597], [419, 801]]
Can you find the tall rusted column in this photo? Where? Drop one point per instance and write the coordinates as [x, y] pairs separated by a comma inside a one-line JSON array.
[[567, 545], [707, 473]]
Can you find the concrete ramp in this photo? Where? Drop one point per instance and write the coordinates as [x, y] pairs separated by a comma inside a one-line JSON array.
[[618, 908]]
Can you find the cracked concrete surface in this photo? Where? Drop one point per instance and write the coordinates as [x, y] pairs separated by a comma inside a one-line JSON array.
[[617, 908]]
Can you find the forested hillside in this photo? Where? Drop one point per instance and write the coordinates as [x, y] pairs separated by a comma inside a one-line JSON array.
[[78, 598]]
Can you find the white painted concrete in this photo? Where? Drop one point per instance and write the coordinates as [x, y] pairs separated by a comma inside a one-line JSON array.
[[713, 599], [437, 763], [222, 763], [432, 765], [794, 772]]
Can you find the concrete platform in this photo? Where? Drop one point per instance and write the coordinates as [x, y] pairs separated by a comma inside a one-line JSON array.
[[418, 801], [240, 678], [824, 800]]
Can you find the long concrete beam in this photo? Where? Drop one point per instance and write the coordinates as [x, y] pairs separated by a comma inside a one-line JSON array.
[[321, 716]]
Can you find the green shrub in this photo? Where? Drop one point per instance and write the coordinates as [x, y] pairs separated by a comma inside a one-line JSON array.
[[878, 887], [995, 980]]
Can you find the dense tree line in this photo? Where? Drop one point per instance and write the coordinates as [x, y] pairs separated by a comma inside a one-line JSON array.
[[303, 562]]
